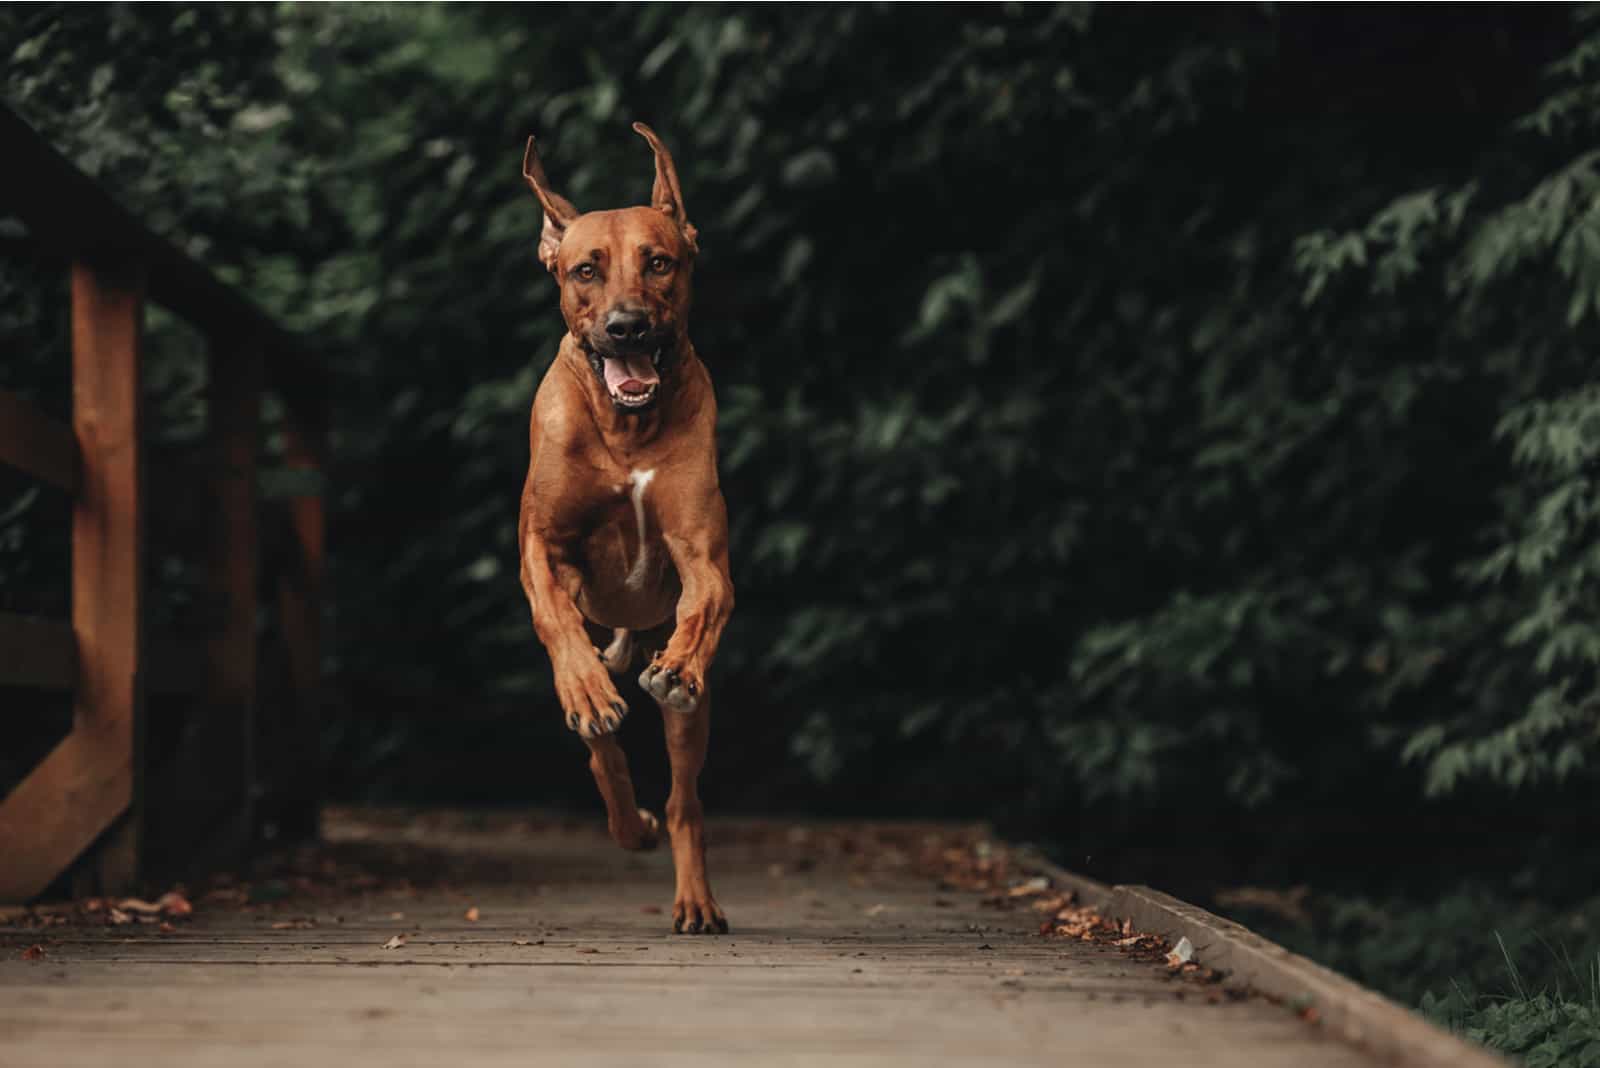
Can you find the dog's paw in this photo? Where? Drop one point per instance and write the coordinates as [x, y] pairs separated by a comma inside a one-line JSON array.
[[592, 724], [652, 830], [675, 688], [618, 656], [698, 914], [591, 704]]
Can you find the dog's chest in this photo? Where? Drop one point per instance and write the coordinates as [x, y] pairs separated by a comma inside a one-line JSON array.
[[635, 488]]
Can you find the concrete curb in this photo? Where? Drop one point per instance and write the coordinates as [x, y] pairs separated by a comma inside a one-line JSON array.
[[1345, 1009]]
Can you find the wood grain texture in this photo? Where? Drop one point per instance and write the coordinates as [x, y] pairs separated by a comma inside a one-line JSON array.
[[571, 962], [91, 779]]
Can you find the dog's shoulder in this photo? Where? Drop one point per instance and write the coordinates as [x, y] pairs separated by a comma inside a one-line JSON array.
[[558, 410]]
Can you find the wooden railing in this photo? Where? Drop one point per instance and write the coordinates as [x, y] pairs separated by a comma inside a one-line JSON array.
[[86, 802]]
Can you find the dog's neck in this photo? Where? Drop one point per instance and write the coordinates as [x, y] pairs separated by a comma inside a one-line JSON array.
[[629, 430]]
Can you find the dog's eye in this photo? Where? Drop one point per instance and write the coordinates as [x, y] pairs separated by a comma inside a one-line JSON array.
[[584, 271], [660, 265]]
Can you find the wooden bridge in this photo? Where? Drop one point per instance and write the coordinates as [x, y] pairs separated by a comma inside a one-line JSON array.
[[428, 939], [99, 803]]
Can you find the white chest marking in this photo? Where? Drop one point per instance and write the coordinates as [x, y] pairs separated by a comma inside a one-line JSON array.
[[640, 481]]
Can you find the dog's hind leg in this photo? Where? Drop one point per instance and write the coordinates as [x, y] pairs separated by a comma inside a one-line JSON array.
[[694, 910], [631, 826], [618, 656]]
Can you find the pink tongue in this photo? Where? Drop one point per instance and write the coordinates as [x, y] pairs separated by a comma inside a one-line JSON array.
[[630, 374]]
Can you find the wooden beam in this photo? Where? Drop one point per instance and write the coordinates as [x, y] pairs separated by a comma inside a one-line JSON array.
[[300, 617], [93, 777], [173, 666], [38, 653], [207, 797], [69, 215], [33, 442]]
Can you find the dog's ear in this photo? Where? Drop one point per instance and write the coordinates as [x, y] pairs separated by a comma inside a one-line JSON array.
[[558, 210], [667, 197]]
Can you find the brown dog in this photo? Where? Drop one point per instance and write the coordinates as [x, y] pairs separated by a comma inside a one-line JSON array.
[[623, 525]]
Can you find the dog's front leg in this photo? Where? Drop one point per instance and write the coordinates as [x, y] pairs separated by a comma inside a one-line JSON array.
[[676, 678], [589, 701]]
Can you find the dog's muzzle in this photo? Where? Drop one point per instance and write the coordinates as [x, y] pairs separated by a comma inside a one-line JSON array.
[[632, 377]]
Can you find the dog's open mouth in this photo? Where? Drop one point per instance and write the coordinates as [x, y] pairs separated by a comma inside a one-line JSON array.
[[633, 380]]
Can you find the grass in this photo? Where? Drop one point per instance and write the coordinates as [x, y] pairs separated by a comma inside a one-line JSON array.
[[1553, 1028], [1515, 974]]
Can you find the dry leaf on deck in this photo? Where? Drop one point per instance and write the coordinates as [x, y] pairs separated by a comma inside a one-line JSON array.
[[33, 953], [472, 914], [396, 942], [1037, 885], [174, 904]]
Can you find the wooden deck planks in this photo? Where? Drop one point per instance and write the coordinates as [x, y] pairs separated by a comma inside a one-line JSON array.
[[828, 966]]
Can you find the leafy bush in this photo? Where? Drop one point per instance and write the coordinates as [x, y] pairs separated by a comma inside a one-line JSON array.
[[1115, 412]]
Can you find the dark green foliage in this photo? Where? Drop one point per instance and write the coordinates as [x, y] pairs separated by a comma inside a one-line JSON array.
[[1123, 411]]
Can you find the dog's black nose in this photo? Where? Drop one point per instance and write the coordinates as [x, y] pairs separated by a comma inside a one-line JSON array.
[[626, 324]]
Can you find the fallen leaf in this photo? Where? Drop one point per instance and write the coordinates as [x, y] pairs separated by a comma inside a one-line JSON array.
[[174, 904], [1181, 954], [396, 942], [33, 953], [878, 910], [300, 924], [1037, 885], [139, 906], [588, 951], [521, 942], [118, 917], [472, 914], [397, 915]]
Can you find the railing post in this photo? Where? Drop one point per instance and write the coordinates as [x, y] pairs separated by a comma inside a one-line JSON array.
[[206, 800], [300, 588], [108, 541], [93, 781]]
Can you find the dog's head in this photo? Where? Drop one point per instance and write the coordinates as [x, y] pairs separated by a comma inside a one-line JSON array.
[[624, 278]]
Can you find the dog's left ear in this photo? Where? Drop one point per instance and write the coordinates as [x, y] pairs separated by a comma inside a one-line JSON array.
[[667, 197], [558, 210]]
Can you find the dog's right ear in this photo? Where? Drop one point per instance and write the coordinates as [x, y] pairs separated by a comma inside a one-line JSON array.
[[558, 210]]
